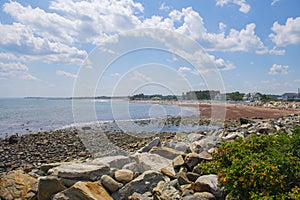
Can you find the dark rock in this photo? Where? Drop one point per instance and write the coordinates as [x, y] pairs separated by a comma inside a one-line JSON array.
[[13, 139], [246, 121], [153, 143], [200, 187], [182, 178], [191, 160], [192, 176], [49, 186]]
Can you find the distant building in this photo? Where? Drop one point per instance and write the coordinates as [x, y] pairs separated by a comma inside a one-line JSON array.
[[220, 97], [251, 97], [291, 96], [156, 98]]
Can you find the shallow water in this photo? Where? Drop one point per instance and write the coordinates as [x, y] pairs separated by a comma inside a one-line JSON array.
[[25, 116]]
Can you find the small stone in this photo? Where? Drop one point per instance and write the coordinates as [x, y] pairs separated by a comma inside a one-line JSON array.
[[245, 121], [110, 184], [200, 187], [204, 196], [167, 172], [153, 143], [191, 160], [212, 181], [13, 139], [205, 155], [124, 175], [138, 196], [192, 176], [182, 178], [178, 161], [164, 190]]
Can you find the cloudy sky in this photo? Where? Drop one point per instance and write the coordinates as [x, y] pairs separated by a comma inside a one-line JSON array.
[[254, 44]]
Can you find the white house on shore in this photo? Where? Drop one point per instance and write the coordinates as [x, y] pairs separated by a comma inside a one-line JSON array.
[[291, 96], [251, 97]]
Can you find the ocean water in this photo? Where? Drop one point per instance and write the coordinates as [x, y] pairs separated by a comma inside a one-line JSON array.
[[23, 116]]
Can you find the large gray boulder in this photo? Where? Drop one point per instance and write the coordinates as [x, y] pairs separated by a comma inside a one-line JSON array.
[[193, 137], [212, 181], [164, 190], [179, 146], [84, 190], [166, 152], [80, 171], [149, 161], [202, 145], [112, 161], [143, 183]]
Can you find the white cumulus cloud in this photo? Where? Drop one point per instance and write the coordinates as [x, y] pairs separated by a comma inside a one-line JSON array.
[[66, 74], [15, 69], [244, 6], [29, 77], [278, 69], [140, 76], [184, 69], [286, 34]]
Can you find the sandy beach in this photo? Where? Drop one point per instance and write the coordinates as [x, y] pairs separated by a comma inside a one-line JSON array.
[[231, 111]]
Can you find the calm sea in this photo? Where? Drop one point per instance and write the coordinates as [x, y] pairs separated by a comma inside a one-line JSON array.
[[25, 116]]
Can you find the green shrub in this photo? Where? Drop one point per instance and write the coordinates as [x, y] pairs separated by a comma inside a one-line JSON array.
[[259, 167]]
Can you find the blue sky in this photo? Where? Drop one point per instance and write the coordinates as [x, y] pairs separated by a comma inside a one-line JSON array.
[[46, 46]]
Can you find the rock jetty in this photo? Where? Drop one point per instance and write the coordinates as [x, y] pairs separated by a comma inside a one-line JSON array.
[[161, 169]]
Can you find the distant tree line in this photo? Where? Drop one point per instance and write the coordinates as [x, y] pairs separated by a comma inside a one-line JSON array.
[[200, 95], [204, 95], [235, 96], [142, 96]]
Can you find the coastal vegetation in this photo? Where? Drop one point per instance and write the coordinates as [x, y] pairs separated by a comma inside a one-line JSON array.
[[259, 167], [142, 96]]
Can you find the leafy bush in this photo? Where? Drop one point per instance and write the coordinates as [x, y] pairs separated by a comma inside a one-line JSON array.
[[259, 167]]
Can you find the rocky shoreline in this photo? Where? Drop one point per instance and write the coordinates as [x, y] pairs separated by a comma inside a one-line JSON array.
[[58, 165]]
